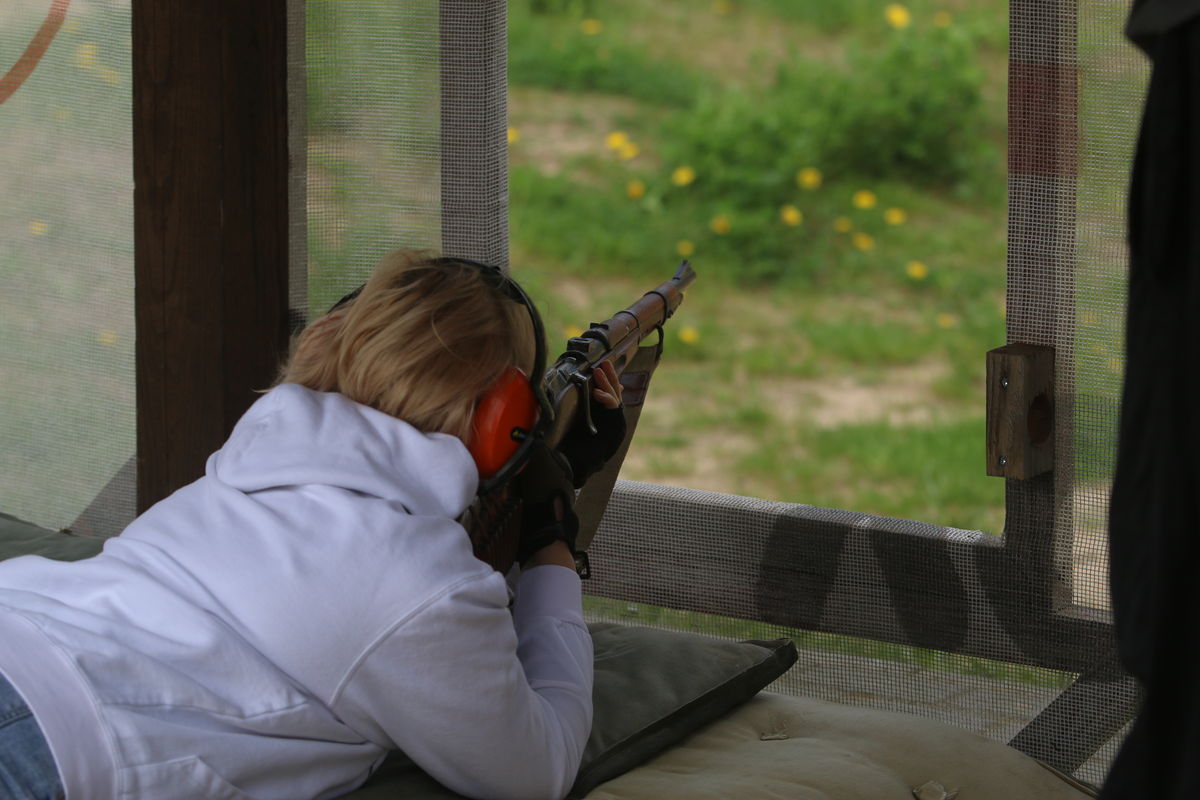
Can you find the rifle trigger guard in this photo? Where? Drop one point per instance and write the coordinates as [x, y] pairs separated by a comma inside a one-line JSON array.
[[586, 400]]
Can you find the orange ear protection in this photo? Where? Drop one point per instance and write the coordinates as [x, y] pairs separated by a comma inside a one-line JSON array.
[[506, 414], [515, 411]]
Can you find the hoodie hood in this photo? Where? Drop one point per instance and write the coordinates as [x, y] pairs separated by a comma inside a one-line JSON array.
[[294, 436]]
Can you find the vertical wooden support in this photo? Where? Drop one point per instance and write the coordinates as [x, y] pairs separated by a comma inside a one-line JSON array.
[[1020, 411], [210, 224]]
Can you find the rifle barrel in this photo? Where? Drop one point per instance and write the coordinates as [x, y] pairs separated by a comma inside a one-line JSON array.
[[613, 340]]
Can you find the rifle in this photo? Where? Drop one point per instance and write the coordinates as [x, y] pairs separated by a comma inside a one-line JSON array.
[[494, 521]]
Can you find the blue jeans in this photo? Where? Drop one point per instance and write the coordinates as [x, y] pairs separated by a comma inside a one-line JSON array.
[[27, 770]]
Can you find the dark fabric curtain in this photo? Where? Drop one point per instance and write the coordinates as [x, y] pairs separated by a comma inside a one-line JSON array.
[[1155, 515]]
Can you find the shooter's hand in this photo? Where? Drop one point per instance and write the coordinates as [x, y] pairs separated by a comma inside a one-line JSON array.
[[585, 451], [606, 386], [548, 499]]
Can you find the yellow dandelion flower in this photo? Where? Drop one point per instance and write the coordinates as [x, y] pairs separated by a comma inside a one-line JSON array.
[[572, 331], [722, 8], [720, 225], [791, 215], [863, 242], [635, 189], [107, 338], [843, 225], [809, 178], [591, 27], [109, 75], [943, 19], [628, 150], [689, 335], [85, 55], [895, 216], [946, 320], [916, 270], [38, 227], [514, 134], [684, 248], [682, 176], [864, 198], [1116, 365], [897, 16], [616, 140]]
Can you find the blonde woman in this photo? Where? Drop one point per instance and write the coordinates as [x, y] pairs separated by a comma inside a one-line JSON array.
[[273, 629]]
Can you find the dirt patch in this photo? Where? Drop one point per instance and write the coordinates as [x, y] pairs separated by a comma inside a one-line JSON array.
[[900, 396], [706, 463], [741, 47], [555, 128]]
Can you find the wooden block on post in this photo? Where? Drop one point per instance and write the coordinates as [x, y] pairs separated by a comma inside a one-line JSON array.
[[1020, 410]]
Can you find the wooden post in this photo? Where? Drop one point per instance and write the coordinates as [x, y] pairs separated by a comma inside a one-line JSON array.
[[210, 224]]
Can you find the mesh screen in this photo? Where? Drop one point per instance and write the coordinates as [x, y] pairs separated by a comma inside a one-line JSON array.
[[406, 126], [889, 614], [373, 150], [66, 263], [1113, 77]]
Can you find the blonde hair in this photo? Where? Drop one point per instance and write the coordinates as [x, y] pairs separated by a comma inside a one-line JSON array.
[[423, 341]]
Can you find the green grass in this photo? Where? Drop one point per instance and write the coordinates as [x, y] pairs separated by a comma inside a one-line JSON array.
[[821, 365], [553, 52]]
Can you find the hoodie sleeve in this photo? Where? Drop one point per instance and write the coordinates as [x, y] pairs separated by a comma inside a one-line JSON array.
[[492, 703]]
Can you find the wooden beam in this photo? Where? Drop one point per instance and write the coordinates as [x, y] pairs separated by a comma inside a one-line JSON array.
[[844, 573], [210, 224]]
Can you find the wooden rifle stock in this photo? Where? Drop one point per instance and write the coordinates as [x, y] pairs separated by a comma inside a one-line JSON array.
[[568, 384]]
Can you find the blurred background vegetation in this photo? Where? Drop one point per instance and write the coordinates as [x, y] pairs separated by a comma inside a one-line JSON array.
[[835, 172]]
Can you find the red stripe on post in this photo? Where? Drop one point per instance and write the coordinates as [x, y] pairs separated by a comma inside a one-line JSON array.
[[1043, 120]]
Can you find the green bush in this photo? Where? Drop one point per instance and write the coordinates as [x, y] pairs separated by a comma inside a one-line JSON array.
[[909, 111], [554, 52], [913, 111], [828, 17]]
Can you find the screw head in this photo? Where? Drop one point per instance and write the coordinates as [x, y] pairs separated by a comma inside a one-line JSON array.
[[1003, 461], [1004, 383]]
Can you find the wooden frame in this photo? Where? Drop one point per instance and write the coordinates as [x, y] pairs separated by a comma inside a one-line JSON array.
[[210, 137]]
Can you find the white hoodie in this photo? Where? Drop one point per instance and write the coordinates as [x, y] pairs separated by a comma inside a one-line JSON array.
[[270, 630]]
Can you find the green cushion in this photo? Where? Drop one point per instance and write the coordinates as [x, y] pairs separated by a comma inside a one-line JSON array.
[[653, 687], [20, 538]]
